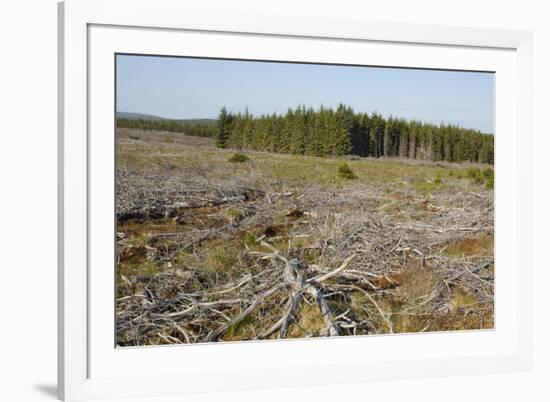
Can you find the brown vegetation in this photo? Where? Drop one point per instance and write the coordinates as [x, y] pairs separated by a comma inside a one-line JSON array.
[[282, 246]]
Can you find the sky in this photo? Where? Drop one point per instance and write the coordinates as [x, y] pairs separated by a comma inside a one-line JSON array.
[[187, 88]]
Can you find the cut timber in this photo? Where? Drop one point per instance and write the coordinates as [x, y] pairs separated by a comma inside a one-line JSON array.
[[330, 325], [215, 335]]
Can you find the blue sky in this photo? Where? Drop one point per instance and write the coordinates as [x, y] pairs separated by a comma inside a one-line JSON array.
[[197, 88]]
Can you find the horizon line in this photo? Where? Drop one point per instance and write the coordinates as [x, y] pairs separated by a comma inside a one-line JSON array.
[[216, 118]]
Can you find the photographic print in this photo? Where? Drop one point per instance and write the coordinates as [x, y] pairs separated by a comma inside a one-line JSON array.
[[262, 200]]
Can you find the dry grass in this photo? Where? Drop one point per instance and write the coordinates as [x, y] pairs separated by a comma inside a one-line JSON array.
[[195, 229], [310, 323], [482, 245]]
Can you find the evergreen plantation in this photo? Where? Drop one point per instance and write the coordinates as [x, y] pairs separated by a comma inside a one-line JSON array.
[[194, 129], [329, 133]]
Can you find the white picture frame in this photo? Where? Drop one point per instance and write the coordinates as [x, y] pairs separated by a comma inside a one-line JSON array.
[[91, 32]]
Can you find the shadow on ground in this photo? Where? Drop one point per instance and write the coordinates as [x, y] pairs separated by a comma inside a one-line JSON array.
[[47, 389]]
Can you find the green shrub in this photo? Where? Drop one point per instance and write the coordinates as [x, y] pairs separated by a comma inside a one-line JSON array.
[[345, 172], [472, 172], [222, 258], [475, 175], [488, 173], [234, 213], [238, 158], [437, 179], [148, 268], [479, 176], [249, 239]]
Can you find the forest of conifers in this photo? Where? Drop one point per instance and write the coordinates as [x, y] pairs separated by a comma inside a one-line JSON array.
[[329, 132], [335, 132], [194, 129]]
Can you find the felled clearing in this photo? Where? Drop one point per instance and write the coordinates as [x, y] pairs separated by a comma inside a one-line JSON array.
[[281, 246]]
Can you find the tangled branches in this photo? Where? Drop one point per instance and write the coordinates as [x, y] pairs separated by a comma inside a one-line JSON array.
[[206, 258]]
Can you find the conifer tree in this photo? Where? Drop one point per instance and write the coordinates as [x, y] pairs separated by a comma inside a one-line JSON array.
[[223, 128], [336, 132]]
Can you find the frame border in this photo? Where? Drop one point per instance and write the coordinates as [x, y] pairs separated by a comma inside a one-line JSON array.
[[74, 16]]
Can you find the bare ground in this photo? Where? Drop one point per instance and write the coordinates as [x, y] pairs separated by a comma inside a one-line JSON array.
[[281, 247]]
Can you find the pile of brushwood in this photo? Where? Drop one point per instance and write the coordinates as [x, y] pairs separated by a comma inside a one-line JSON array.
[[204, 260]]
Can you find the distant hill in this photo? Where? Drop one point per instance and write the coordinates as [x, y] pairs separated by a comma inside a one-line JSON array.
[[138, 116], [197, 121], [150, 117]]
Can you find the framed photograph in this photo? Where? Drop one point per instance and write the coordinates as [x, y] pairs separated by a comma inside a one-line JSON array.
[[255, 201]]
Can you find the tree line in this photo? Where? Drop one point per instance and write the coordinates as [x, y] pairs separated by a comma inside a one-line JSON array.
[[328, 132], [194, 129]]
